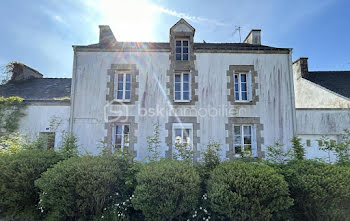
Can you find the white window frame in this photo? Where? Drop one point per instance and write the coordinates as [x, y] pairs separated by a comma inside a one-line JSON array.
[[183, 127], [116, 89], [248, 88], [114, 136], [181, 89], [182, 46], [252, 139]]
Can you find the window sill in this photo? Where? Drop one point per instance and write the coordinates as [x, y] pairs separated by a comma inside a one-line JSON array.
[[121, 101], [183, 101]]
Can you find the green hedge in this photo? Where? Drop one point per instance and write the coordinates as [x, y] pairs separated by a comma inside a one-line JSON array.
[[321, 191], [18, 195], [247, 191], [84, 187], [166, 190]]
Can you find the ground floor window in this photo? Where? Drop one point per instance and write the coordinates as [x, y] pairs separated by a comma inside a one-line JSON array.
[[121, 135], [243, 140], [182, 134], [49, 139]]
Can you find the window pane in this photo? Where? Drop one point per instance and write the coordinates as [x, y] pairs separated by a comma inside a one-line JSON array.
[[236, 79], [177, 95], [248, 140], [236, 96], [243, 78], [126, 140], [186, 77], [178, 57], [118, 139], [238, 140], [185, 50], [120, 95], [128, 77], [238, 149], [177, 78], [120, 86], [126, 129], [185, 57], [120, 77], [186, 95], [244, 86], [237, 130], [127, 85], [178, 135], [185, 43], [118, 146], [247, 130], [178, 43], [127, 94], [178, 50], [186, 87], [244, 96], [177, 86], [119, 129], [248, 148]]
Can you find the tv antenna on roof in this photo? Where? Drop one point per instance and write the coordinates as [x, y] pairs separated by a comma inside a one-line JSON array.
[[238, 28]]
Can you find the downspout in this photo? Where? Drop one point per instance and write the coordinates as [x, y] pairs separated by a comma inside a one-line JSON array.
[[290, 63], [73, 86]]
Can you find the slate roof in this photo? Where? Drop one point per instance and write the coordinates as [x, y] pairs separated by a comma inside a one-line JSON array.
[[38, 89], [166, 46], [336, 81]]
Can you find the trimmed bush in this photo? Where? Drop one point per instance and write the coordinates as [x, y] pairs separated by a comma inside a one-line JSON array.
[[82, 188], [321, 191], [247, 191], [18, 195], [166, 190]]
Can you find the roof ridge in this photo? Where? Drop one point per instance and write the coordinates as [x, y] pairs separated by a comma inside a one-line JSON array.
[[331, 71]]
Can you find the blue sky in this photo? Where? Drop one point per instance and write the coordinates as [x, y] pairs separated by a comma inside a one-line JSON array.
[[40, 33]]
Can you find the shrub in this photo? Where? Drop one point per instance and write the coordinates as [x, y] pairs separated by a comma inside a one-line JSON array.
[[18, 195], [298, 148], [82, 187], [321, 191], [69, 146], [166, 190], [247, 191]]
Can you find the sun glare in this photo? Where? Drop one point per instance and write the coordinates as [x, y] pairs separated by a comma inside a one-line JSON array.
[[130, 20]]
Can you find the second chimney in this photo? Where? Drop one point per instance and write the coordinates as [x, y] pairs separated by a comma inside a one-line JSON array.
[[107, 36], [254, 37], [301, 68]]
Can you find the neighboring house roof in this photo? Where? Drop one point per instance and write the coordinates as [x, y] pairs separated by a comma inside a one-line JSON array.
[[336, 81], [166, 46], [38, 89]]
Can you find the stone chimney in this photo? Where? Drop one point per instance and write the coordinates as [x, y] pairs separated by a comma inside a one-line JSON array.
[[254, 37], [106, 36], [21, 72], [300, 67]]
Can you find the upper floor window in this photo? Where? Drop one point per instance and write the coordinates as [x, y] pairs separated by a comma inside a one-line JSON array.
[[241, 86], [243, 137], [181, 48], [182, 133], [122, 86], [121, 134], [182, 87]]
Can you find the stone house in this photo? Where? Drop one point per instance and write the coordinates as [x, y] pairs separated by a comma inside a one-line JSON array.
[[242, 95]]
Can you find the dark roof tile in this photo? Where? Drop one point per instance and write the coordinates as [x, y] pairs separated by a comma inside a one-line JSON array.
[[38, 88]]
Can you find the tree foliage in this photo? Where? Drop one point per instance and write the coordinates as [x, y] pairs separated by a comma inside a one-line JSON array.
[[11, 110]]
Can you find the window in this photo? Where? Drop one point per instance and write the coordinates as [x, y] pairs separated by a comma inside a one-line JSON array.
[[122, 86], [308, 143], [49, 139], [121, 136], [243, 135], [181, 48], [182, 134], [320, 143], [182, 87], [241, 86]]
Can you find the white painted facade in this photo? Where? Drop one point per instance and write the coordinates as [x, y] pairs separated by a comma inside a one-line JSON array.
[[39, 117]]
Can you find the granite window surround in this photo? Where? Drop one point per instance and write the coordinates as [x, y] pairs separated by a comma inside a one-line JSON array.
[[244, 121], [122, 68], [113, 121], [169, 140], [253, 84]]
